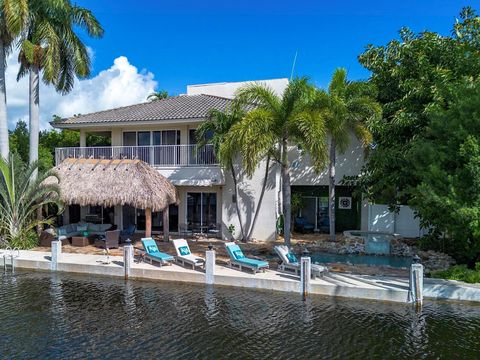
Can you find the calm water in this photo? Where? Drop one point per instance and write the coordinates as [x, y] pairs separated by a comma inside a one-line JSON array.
[[73, 317]]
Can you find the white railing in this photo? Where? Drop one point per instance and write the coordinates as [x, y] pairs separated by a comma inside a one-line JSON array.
[[155, 155]]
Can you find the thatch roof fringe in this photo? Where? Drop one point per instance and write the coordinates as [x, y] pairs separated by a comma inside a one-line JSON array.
[[114, 182]]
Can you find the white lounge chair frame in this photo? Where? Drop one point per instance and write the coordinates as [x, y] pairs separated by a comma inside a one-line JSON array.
[[190, 259], [233, 263], [287, 267]]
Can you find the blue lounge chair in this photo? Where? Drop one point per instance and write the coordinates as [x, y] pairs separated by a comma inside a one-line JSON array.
[[153, 254], [237, 259]]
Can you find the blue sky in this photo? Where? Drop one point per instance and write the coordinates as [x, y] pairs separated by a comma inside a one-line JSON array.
[[186, 41], [161, 44]]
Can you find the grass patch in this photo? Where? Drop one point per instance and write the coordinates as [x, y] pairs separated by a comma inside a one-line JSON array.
[[461, 273]]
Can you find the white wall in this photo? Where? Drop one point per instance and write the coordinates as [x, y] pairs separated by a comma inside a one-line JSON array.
[[403, 223], [228, 89], [347, 164], [249, 193]]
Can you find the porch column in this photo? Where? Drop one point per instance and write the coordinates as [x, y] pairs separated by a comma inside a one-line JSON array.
[[83, 138], [166, 224], [148, 222]]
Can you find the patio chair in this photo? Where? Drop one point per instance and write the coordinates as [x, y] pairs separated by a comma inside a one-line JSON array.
[[216, 230], [110, 240], [303, 226], [185, 256], [290, 263], [128, 232], [152, 254], [238, 259]]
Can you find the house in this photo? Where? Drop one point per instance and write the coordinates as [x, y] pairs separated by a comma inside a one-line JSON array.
[[162, 134]]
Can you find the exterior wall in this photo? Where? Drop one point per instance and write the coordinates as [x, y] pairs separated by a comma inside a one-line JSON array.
[[248, 196], [404, 223], [347, 164], [228, 89]]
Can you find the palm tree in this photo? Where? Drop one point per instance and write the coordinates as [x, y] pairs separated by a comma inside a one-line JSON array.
[[13, 15], [158, 95], [49, 45], [213, 131], [272, 125], [20, 198], [346, 108]]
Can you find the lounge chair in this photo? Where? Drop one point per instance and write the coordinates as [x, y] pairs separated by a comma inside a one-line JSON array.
[[152, 254], [237, 259], [290, 263], [185, 256]]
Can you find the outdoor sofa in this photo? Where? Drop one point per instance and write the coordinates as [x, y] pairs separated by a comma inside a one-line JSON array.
[[152, 254], [78, 229], [185, 256], [238, 259], [289, 263]]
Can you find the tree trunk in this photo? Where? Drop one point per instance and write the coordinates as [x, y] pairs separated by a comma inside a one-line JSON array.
[[287, 195], [232, 170], [4, 149], [34, 114], [166, 224], [260, 199], [331, 200], [148, 223]]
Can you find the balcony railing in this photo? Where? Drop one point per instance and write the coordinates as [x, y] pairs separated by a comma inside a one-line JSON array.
[[155, 155]]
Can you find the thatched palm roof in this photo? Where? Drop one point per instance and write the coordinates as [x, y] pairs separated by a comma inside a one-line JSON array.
[[113, 182]]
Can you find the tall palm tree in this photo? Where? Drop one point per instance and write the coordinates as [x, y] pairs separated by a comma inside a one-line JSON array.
[[50, 45], [213, 131], [272, 125], [158, 95], [13, 14], [20, 198], [346, 109]]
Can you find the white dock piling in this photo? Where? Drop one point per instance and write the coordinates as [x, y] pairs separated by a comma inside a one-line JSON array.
[[210, 267], [305, 271], [415, 294], [56, 254], [127, 259]]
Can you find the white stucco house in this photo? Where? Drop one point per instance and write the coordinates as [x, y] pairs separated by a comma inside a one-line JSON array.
[[162, 133]]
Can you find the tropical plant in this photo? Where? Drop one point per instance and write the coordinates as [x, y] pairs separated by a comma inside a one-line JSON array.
[[50, 45], [214, 131], [158, 95], [13, 14], [21, 195], [271, 126], [346, 108]]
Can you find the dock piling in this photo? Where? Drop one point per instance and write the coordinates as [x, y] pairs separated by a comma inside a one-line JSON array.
[[305, 271], [210, 267], [415, 294], [127, 258], [56, 253]]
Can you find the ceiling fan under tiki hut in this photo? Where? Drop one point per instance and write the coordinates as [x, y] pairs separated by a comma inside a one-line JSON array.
[[116, 182]]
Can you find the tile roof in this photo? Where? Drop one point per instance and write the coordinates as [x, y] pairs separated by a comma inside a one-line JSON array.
[[179, 107]]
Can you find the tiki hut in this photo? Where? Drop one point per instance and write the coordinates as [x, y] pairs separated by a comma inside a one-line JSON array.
[[116, 182]]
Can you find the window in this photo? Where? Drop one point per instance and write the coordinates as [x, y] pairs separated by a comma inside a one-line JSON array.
[[129, 138], [201, 211]]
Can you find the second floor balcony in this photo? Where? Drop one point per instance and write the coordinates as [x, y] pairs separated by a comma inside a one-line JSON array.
[[154, 155]]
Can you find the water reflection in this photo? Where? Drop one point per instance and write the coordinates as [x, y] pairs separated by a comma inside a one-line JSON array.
[[59, 316]]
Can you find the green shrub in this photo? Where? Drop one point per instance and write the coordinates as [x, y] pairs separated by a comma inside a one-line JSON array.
[[25, 242], [461, 273]]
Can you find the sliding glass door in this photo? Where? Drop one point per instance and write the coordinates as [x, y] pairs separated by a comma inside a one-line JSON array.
[[201, 211]]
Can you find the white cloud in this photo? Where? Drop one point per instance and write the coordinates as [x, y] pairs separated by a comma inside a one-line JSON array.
[[122, 84]]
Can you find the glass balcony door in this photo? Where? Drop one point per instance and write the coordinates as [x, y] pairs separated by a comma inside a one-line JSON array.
[[201, 211]]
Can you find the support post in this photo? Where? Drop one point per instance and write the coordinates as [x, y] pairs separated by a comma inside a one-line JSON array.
[[210, 267], [415, 294], [56, 253], [305, 272], [127, 259], [148, 222], [166, 225]]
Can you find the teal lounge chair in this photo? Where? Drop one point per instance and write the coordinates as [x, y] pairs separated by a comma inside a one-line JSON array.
[[153, 254], [237, 259]]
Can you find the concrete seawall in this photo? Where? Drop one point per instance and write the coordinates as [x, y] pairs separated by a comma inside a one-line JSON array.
[[332, 284]]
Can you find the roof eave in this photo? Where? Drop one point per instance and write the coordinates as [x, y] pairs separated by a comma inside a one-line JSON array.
[[74, 126]]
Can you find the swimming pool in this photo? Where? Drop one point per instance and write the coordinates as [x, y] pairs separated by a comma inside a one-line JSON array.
[[377, 243], [354, 259]]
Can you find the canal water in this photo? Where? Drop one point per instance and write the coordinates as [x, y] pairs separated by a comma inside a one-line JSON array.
[[44, 316]]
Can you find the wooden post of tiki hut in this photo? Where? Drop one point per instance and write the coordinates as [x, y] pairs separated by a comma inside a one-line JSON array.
[[148, 222], [117, 182], [166, 229]]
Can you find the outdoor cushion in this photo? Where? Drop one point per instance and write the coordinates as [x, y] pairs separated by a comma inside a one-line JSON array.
[[152, 249], [62, 231], [70, 228], [292, 258], [253, 262], [82, 227], [184, 250], [238, 254], [161, 256]]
